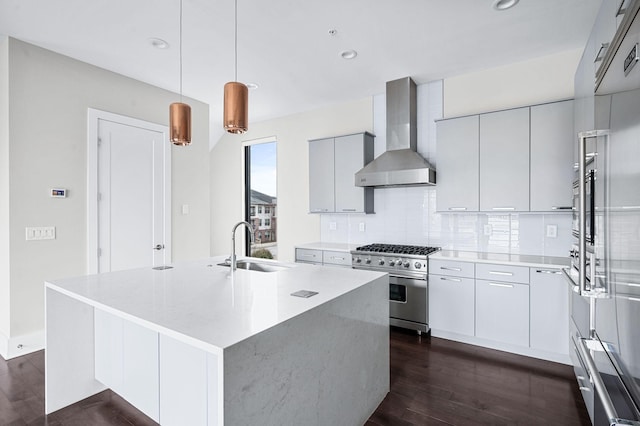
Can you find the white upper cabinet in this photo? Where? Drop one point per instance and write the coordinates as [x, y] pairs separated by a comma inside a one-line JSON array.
[[458, 164], [321, 176], [333, 163], [552, 143], [351, 154], [504, 161]]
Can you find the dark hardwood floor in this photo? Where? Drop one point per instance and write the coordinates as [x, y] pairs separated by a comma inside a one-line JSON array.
[[433, 382]]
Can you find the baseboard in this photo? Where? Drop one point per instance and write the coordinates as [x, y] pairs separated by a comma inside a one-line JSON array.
[[21, 345], [530, 352]]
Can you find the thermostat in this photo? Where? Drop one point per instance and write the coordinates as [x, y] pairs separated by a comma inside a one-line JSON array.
[[58, 193]]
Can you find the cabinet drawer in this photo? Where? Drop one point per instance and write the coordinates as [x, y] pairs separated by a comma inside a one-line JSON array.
[[336, 258], [496, 272], [451, 268], [308, 255]]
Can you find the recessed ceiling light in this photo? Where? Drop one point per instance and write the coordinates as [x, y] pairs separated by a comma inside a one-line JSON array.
[[348, 54], [158, 43], [504, 4], [252, 86]]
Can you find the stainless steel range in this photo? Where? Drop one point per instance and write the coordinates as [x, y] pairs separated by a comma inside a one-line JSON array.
[[408, 269]]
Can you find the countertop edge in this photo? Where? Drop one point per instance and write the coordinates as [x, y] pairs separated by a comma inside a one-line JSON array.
[[532, 261]]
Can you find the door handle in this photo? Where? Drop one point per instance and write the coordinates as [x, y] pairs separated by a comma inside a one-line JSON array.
[[158, 247]]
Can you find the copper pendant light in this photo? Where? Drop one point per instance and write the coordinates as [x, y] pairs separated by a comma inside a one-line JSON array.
[[180, 113], [236, 96]]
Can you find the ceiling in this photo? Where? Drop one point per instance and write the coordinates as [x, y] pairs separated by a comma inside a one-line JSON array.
[[285, 46]]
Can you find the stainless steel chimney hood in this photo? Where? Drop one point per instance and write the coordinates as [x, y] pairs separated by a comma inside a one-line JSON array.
[[400, 164]]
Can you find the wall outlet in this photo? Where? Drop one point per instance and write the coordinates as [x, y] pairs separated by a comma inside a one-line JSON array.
[[361, 227], [487, 230], [333, 226], [33, 233], [552, 231], [185, 209]]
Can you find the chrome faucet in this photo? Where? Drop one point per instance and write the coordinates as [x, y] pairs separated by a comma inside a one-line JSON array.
[[233, 242]]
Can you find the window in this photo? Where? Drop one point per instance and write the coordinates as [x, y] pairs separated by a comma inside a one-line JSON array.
[[260, 195]]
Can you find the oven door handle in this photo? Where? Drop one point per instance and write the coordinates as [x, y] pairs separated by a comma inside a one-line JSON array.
[[575, 287], [601, 389], [408, 282]]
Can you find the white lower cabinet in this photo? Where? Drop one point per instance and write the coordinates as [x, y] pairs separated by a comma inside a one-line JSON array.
[[549, 311], [172, 382], [188, 378], [126, 361], [502, 312], [452, 304]]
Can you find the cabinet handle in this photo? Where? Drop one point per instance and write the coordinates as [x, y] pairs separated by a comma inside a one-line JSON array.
[[458, 280], [561, 208], [456, 209], [503, 208], [348, 210], [548, 271], [634, 299], [307, 255], [447, 268], [601, 52], [630, 207], [337, 258], [501, 285], [508, 274]]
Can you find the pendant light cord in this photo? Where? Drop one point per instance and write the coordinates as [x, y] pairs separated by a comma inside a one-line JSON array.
[[180, 50], [236, 39]]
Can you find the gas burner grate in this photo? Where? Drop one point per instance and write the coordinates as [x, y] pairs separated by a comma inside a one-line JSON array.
[[398, 249]]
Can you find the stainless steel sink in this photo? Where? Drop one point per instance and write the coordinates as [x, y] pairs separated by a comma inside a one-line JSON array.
[[252, 265]]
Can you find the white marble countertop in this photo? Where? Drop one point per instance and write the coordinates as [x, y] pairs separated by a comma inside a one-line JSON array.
[[503, 258], [203, 304], [329, 246]]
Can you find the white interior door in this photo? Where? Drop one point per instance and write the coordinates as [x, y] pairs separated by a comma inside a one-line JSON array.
[[132, 193]]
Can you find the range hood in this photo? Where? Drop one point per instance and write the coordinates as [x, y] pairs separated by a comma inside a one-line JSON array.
[[400, 164]]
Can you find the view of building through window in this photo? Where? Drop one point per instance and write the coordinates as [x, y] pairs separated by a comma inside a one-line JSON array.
[[260, 161]]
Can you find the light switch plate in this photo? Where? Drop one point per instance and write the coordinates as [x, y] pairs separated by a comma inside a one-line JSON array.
[[552, 231], [361, 226], [333, 226]]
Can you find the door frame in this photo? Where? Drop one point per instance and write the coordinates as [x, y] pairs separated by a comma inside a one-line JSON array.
[[93, 116]]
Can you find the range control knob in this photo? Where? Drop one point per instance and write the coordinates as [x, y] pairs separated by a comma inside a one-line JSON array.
[[381, 262], [367, 261], [358, 260], [417, 265], [406, 264], [392, 262]]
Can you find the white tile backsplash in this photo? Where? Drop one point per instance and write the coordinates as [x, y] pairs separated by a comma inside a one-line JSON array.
[[408, 215]]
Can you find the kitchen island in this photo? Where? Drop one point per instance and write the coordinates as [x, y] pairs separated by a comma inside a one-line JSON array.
[[198, 344]]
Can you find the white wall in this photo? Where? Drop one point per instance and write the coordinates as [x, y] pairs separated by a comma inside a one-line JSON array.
[[48, 102], [540, 80], [408, 215], [295, 224], [4, 191]]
